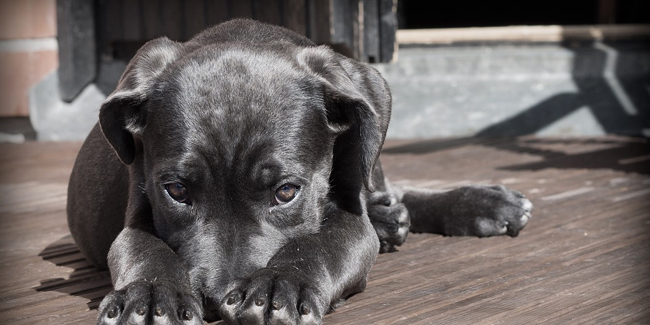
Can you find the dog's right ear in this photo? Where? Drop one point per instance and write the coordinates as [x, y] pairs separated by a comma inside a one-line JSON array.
[[121, 116]]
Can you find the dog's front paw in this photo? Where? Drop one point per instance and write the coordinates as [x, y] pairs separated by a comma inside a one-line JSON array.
[[272, 296], [485, 211], [390, 220], [149, 303]]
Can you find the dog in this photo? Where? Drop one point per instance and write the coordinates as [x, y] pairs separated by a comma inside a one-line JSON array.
[[235, 176]]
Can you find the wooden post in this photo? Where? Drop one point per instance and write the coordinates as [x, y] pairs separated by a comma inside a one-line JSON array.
[[269, 12], [371, 31], [364, 29], [607, 11], [320, 20], [295, 16], [388, 29], [76, 36]]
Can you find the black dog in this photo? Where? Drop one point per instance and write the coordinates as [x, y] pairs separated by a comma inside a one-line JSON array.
[[235, 176]]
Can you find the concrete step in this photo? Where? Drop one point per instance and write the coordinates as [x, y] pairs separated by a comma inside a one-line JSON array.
[[515, 89]]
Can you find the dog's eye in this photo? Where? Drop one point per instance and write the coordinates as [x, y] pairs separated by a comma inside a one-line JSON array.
[[178, 192], [285, 193]]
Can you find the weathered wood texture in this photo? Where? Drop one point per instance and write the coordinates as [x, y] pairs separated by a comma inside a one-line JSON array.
[[582, 259], [76, 41], [363, 29]]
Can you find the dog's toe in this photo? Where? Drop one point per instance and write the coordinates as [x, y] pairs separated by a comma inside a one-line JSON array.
[[149, 303], [391, 222], [486, 211], [271, 296]]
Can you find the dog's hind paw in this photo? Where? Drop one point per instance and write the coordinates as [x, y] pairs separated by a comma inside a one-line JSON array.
[[272, 296], [149, 303], [486, 211], [390, 220]]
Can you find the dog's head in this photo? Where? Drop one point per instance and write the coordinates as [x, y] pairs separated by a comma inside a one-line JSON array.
[[238, 149]]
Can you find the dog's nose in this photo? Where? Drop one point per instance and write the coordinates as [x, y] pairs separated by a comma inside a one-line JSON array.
[[211, 309]]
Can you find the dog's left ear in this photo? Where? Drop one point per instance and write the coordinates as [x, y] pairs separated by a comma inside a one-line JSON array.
[[121, 116], [358, 104]]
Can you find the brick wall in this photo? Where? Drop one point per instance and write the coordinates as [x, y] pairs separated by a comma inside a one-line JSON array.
[[28, 51]]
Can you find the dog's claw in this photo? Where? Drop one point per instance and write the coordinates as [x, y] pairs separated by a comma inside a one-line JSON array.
[[260, 301], [304, 309], [486, 211], [112, 313], [131, 305], [390, 219], [249, 303], [186, 315], [233, 298]]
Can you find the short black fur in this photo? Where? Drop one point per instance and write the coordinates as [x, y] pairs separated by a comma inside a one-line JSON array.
[[226, 119]]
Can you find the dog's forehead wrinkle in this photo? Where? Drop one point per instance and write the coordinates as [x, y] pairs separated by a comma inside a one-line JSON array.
[[219, 64], [234, 75], [245, 89], [244, 134]]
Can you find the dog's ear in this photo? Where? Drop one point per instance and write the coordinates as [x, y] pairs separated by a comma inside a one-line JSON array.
[[358, 104], [120, 116]]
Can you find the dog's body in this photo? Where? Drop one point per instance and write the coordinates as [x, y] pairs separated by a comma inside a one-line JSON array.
[[231, 177]]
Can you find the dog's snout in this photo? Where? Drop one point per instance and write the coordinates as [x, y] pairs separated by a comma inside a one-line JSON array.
[[211, 309]]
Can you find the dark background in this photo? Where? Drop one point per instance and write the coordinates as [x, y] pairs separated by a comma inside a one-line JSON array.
[[472, 13]]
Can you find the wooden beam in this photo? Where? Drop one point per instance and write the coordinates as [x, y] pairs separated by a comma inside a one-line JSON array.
[[388, 28], [77, 54], [522, 34], [295, 16], [320, 13], [371, 31]]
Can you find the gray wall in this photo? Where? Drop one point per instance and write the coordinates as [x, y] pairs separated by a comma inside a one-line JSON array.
[[503, 90], [458, 91]]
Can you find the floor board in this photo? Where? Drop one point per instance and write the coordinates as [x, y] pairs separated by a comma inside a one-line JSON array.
[[583, 258]]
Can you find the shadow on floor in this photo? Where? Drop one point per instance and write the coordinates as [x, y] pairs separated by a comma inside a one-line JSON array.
[[621, 154], [85, 281], [611, 83]]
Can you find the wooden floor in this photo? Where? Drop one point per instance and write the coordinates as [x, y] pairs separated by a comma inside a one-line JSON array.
[[583, 258]]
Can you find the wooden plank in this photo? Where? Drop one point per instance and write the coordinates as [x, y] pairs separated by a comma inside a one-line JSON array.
[[581, 259], [216, 11], [294, 16], [320, 20], [388, 29], [76, 40], [132, 21], [241, 9], [268, 11], [341, 22], [522, 34], [356, 12], [111, 13], [371, 31], [172, 19], [342, 33], [193, 17], [152, 18]]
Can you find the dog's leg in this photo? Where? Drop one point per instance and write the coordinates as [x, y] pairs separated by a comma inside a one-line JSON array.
[[477, 210], [466, 211], [388, 216], [306, 277], [151, 284]]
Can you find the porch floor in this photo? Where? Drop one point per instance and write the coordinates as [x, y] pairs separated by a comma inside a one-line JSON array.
[[583, 258]]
